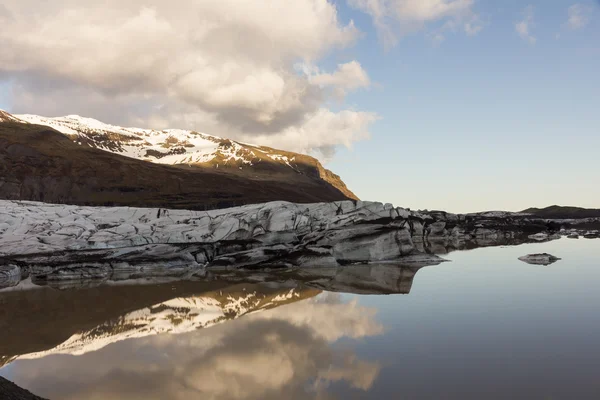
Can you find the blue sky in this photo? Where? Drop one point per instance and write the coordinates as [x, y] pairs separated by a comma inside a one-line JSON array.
[[503, 117], [488, 121]]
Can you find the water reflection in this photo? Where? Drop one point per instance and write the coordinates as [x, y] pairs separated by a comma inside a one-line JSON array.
[[282, 344], [94, 267], [283, 351], [89, 318], [483, 326], [357, 279]]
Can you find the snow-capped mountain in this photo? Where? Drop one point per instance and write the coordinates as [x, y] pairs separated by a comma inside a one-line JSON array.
[[170, 146], [83, 161]]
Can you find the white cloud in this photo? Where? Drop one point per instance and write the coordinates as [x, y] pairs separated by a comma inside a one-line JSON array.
[[337, 84], [226, 63], [578, 16], [322, 131], [395, 18], [523, 27], [438, 38], [473, 27], [349, 76]]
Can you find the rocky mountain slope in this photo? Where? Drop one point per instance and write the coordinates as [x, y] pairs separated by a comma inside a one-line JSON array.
[[40, 163], [190, 148]]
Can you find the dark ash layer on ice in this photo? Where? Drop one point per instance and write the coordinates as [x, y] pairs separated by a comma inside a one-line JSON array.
[[61, 242]]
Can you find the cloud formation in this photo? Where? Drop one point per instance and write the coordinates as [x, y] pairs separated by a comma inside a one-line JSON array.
[[578, 16], [226, 67], [523, 27], [395, 18], [347, 77]]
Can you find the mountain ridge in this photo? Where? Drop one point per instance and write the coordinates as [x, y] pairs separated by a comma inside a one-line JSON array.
[[40, 163], [186, 147]]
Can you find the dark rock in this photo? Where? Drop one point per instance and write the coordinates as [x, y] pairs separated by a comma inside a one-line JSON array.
[[539, 259]]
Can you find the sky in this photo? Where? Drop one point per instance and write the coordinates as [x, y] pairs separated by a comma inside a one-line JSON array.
[[460, 105]]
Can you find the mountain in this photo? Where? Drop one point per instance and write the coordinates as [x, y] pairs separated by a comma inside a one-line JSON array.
[[190, 148], [560, 212], [82, 161]]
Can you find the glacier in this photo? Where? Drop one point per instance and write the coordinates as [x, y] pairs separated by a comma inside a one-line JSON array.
[[51, 242]]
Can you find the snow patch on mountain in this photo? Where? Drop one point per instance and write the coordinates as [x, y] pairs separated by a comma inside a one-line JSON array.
[[169, 146]]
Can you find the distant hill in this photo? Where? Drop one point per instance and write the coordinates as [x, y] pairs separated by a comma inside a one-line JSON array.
[[560, 212], [96, 164]]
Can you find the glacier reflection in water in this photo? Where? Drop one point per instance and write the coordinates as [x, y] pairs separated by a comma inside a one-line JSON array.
[[483, 326]]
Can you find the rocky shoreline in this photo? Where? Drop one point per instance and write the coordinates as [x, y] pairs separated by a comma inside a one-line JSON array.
[[49, 242]]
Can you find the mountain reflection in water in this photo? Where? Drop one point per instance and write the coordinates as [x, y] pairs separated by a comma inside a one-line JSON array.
[[77, 321], [285, 347], [485, 325]]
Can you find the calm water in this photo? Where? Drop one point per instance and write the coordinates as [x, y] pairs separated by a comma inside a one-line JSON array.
[[485, 326]]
